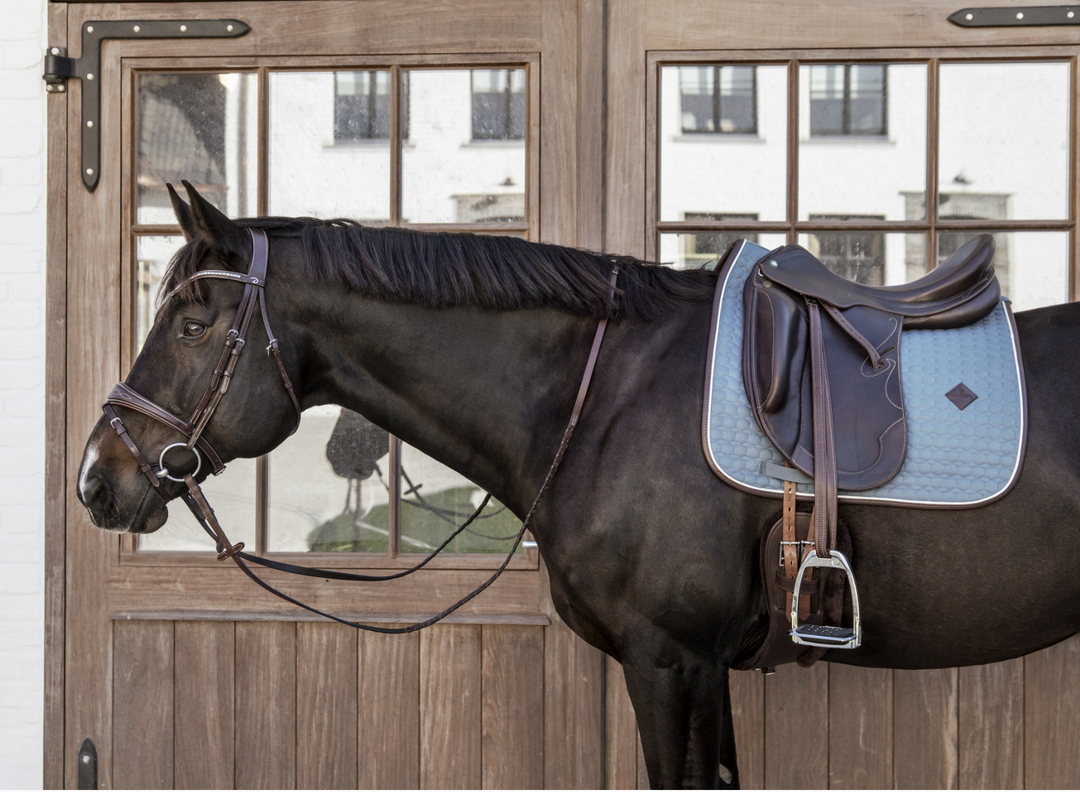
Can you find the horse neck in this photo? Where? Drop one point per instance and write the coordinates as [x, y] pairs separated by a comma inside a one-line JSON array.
[[487, 393]]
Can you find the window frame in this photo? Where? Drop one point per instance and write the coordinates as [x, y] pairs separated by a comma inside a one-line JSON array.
[[263, 66], [792, 226]]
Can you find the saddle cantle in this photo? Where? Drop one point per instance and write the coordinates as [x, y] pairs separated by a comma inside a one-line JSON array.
[[821, 369]]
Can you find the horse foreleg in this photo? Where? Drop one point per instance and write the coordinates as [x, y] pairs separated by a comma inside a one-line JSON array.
[[684, 718]]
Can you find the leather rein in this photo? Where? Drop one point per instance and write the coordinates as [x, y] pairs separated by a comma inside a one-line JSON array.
[[122, 395]]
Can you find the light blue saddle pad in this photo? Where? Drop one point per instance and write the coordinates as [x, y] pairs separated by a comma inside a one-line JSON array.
[[955, 458]]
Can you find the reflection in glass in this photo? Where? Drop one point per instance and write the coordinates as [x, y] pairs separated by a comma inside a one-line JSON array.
[[361, 106], [718, 99], [465, 158], [329, 145], [152, 256], [848, 99], [435, 500], [1004, 135], [199, 127], [233, 495], [848, 167], [871, 257], [1031, 266], [723, 141], [498, 104], [703, 248], [329, 486]]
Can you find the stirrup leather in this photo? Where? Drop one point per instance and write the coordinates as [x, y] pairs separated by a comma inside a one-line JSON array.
[[820, 635]]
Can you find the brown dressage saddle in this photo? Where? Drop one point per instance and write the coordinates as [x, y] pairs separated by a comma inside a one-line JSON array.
[[821, 368]]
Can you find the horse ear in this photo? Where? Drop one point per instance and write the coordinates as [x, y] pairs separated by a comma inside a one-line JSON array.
[[223, 236], [183, 214]]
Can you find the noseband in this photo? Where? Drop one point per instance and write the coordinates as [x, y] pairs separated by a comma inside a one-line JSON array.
[[123, 395]]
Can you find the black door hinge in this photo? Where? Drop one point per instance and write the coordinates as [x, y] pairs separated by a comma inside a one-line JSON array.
[[1016, 16], [59, 68], [86, 771]]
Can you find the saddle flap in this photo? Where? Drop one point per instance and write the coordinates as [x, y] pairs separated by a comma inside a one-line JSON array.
[[867, 404]]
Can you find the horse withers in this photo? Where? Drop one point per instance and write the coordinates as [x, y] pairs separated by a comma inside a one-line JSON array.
[[471, 349]]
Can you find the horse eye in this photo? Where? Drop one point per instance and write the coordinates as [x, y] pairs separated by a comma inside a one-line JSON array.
[[193, 330]]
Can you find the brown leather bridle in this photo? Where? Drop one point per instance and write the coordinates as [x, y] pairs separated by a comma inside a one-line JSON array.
[[254, 283], [123, 395]]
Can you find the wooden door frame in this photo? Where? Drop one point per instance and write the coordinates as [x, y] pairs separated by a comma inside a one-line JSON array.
[[641, 31], [82, 285]]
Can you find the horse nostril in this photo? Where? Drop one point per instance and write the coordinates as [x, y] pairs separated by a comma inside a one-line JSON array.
[[94, 493]]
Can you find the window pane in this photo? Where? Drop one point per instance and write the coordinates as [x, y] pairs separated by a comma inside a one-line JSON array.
[[870, 257], [1005, 133], [329, 486], [691, 251], [846, 168], [723, 144], [232, 494], [436, 501], [199, 127], [1031, 266], [465, 158], [329, 144]]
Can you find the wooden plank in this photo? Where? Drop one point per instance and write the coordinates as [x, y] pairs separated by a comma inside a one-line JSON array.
[[573, 707], [925, 724], [1052, 717], [625, 160], [796, 727], [620, 730], [991, 726], [205, 701], [205, 588], [559, 193], [860, 727], [591, 108], [691, 24], [748, 711], [93, 363], [56, 491], [142, 705], [326, 706], [265, 706], [300, 27], [450, 707], [512, 739], [389, 711]]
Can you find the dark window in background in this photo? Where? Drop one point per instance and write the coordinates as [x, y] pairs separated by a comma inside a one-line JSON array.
[[848, 100], [498, 104], [718, 99], [703, 247], [362, 106], [856, 255]]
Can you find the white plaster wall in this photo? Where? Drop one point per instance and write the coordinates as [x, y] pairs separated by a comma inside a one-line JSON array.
[[22, 393]]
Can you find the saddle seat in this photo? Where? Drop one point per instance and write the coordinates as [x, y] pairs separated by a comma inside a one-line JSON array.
[[953, 294], [821, 369]]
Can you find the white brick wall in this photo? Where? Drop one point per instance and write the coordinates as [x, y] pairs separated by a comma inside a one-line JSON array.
[[22, 389]]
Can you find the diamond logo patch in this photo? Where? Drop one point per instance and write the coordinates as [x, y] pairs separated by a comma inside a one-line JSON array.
[[962, 396]]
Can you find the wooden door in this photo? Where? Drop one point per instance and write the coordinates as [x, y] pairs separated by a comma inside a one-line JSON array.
[[872, 133], [181, 672]]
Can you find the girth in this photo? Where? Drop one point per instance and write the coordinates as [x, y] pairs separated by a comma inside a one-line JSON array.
[[123, 395]]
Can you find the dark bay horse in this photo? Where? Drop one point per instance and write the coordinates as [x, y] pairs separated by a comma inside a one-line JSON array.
[[472, 348]]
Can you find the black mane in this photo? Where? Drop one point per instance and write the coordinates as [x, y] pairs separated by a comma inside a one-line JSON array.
[[440, 270]]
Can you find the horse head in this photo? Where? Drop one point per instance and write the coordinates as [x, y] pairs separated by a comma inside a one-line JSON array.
[[157, 423]]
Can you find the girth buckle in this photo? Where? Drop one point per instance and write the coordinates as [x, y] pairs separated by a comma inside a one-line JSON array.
[[824, 636]]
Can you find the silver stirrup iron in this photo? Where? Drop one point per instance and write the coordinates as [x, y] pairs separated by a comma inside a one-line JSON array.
[[819, 635]]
